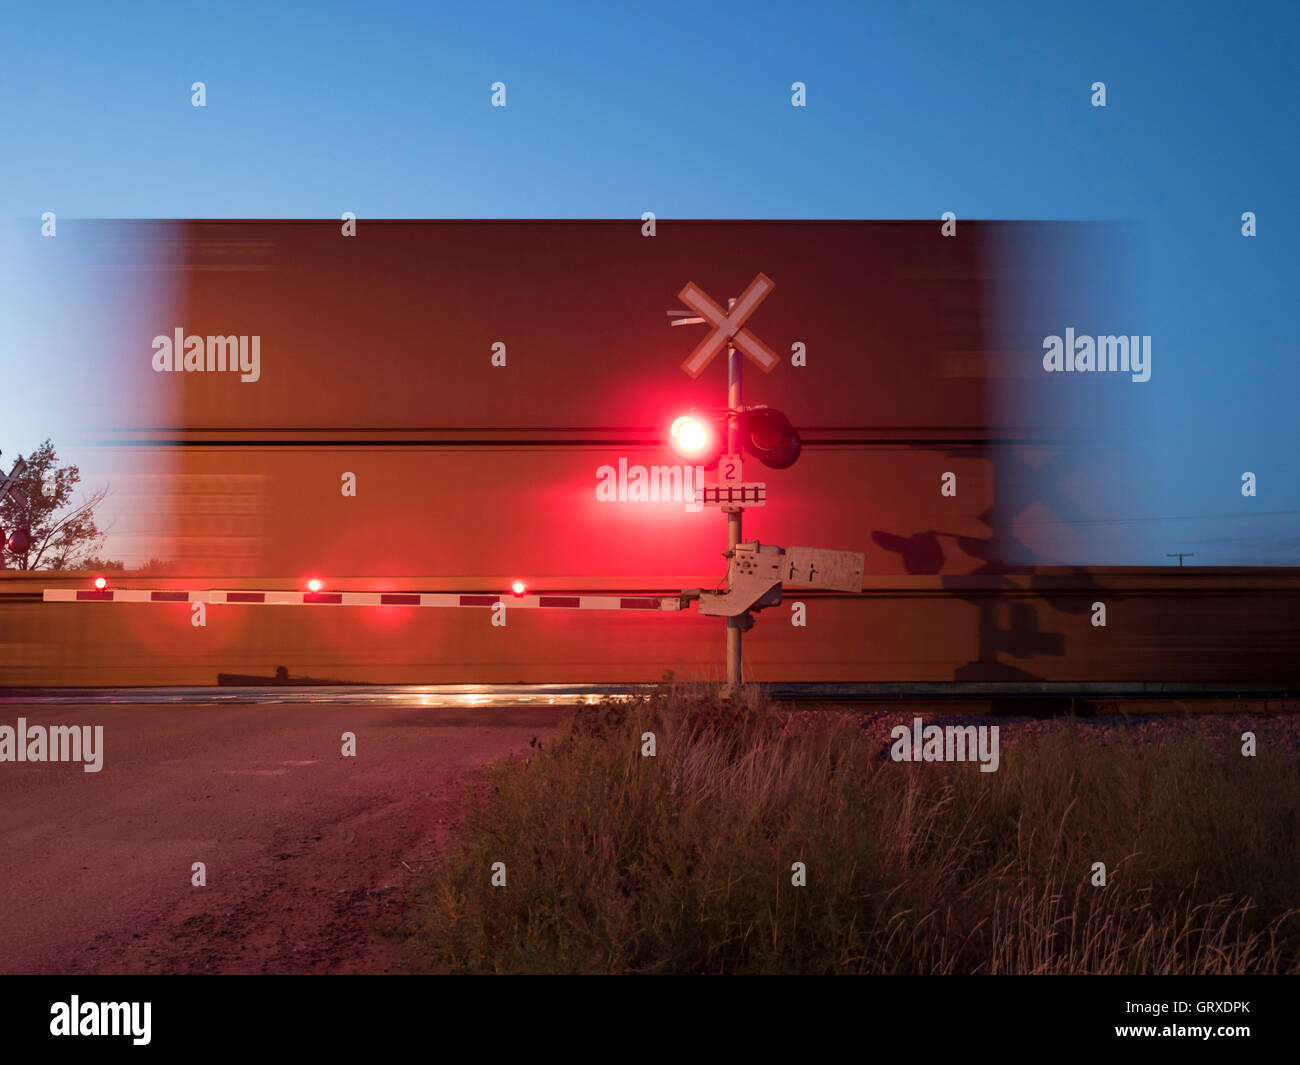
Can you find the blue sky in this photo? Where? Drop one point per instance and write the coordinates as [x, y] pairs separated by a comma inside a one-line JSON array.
[[614, 109]]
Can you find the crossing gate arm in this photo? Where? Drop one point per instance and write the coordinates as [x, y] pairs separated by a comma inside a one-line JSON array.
[[123, 595], [326, 598]]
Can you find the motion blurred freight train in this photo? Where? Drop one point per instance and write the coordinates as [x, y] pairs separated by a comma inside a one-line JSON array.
[[444, 406]]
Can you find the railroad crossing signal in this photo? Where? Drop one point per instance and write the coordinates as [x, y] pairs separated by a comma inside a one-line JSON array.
[[9, 486], [766, 434], [17, 541], [727, 326]]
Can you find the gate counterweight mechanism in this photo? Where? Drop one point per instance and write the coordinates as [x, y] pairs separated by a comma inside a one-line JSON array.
[[756, 573]]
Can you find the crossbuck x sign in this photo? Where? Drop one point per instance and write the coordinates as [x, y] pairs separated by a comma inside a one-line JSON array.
[[727, 326], [8, 483]]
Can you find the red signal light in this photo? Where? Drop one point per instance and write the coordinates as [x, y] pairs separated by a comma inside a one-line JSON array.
[[698, 440], [101, 583], [765, 433], [690, 436], [518, 587], [768, 435], [315, 585]]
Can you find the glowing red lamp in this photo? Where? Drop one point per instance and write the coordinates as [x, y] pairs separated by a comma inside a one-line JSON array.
[[696, 439], [691, 436]]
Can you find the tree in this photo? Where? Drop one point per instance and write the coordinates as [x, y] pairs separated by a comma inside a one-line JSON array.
[[61, 532], [153, 568]]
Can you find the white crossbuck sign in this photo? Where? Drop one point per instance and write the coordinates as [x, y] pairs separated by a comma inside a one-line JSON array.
[[727, 325], [9, 482]]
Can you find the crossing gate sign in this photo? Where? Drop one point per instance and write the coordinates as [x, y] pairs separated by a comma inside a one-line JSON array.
[[9, 482], [727, 326], [753, 494], [819, 567]]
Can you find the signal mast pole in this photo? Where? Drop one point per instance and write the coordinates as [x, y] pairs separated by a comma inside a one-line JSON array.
[[734, 513]]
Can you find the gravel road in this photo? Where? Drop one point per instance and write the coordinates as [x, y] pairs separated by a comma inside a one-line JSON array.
[[308, 854]]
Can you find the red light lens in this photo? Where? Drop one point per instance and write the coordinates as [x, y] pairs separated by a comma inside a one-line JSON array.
[[518, 587], [314, 585], [691, 436], [101, 583]]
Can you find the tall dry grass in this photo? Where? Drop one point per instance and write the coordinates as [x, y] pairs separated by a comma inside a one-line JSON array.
[[682, 862]]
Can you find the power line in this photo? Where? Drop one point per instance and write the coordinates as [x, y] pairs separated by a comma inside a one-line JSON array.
[[1171, 517]]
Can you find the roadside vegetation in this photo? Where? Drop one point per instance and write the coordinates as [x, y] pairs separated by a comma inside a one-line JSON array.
[[42, 524], [682, 862]]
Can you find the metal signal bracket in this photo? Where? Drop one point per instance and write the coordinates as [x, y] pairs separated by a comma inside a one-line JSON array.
[[753, 582], [756, 574]]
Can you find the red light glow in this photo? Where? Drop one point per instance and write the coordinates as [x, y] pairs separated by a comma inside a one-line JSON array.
[[314, 585], [101, 583], [518, 587], [690, 436]]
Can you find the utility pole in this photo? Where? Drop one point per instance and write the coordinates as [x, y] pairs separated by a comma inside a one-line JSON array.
[[1180, 555]]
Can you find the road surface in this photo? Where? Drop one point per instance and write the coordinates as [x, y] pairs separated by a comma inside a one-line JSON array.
[[309, 855]]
